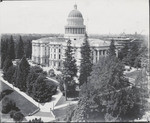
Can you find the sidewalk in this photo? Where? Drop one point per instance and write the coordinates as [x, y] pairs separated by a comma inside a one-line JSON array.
[[64, 105], [44, 108]]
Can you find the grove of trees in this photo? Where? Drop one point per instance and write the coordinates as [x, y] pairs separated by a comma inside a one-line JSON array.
[[108, 95]]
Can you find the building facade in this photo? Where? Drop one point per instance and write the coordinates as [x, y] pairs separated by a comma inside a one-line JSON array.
[[50, 51]]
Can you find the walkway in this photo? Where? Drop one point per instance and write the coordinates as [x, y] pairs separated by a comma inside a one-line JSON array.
[[44, 108]]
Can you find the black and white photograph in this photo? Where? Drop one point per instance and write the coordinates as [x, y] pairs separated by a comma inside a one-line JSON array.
[[74, 61]]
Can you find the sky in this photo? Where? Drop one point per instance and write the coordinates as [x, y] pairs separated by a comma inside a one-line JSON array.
[[50, 16]]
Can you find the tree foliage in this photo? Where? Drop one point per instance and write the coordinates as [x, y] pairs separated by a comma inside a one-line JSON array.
[[4, 50], [86, 61], [11, 48], [124, 52], [28, 49], [112, 49], [22, 73], [69, 68], [20, 49], [109, 94], [132, 58], [42, 92], [33, 74], [36, 121]]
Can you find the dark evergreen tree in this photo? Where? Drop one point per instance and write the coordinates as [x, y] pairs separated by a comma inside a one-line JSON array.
[[124, 52], [112, 49], [8, 75], [28, 49], [86, 61], [41, 92], [34, 72], [7, 64], [133, 54], [11, 50], [8, 69], [4, 49], [69, 67], [22, 73], [20, 48]]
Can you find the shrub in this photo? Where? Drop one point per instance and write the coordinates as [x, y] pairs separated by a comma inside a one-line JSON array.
[[18, 116], [51, 73], [12, 112], [36, 120], [43, 89], [8, 105], [5, 92]]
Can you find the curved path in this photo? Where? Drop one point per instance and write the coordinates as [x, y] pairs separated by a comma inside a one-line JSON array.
[[45, 112]]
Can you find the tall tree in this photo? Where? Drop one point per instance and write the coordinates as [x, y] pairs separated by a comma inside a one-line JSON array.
[[7, 63], [112, 49], [133, 54], [28, 49], [4, 49], [8, 69], [22, 73], [34, 72], [11, 49], [86, 61], [69, 67], [20, 48], [124, 52]]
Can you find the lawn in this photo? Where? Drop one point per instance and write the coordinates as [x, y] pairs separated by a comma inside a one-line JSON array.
[[22, 103]]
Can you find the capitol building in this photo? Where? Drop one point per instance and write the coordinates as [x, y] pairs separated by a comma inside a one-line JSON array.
[[50, 51]]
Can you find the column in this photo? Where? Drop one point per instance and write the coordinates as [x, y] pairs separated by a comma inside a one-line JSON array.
[[94, 56], [97, 55], [116, 52]]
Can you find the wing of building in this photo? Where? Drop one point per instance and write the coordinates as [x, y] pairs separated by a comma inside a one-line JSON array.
[[50, 51]]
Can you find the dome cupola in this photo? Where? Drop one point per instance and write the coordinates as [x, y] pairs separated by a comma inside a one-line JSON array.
[[75, 12], [75, 26]]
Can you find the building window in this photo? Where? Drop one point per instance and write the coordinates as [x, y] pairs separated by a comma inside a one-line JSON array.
[[59, 56], [59, 64], [45, 60], [54, 63], [54, 50], [59, 50], [103, 52], [54, 56], [74, 38]]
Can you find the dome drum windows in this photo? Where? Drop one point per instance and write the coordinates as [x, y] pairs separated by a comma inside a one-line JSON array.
[[75, 30]]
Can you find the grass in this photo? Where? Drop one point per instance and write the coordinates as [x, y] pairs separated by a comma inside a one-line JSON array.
[[22, 103]]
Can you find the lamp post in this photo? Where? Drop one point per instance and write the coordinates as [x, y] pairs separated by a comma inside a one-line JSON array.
[[65, 88]]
